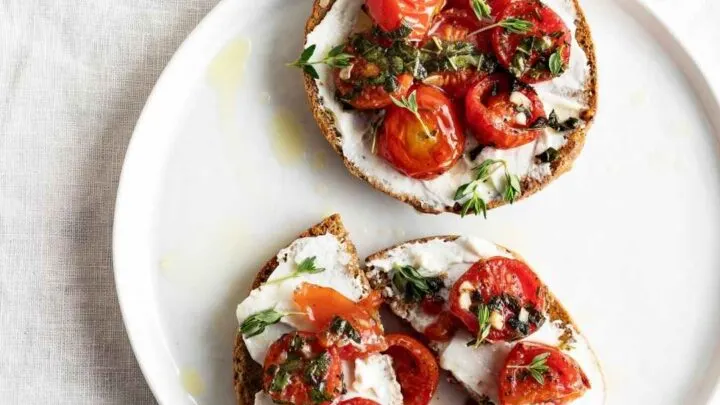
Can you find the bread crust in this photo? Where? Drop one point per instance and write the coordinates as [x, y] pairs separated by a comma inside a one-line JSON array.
[[561, 165], [247, 374]]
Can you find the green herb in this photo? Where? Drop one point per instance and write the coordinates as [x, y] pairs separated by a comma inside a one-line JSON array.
[[549, 155], [410, 103], [567, 125], [555, 63], [317, 369], [319, 395], [475, 204], [537, 367], [413, 285], [511, 24], [256, 323], [307, 266], [483, 317], [281, 374], [336, 58], [341, 327], [481, 8]]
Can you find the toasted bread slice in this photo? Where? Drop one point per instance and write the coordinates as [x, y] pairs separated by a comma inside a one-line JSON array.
[[567, 154], [247, 374], [555, 312]]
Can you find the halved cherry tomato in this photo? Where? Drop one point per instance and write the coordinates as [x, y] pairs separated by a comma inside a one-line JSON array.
[[502, 111], [506, 287], [422, 152], [416, 14], [443, 329], [354, 328], [454, 25], [415, 368], [358, 401], [528, 55], [355, 86], [298, 368], [563, 382]]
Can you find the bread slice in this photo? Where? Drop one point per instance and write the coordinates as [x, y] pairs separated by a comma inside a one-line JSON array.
[[247, 374], [562, 164], [379, 280]]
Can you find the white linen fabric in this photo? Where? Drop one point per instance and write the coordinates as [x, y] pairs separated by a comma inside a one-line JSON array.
[[74, 75]]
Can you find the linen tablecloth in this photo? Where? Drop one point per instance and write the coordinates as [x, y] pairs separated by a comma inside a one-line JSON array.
[[74, 75]]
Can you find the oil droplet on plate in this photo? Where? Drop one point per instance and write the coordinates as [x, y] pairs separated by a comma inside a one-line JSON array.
[[191, 381], [226, 73], [287, 139]]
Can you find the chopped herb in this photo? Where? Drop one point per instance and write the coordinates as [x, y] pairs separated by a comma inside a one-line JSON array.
[[549, 155], [481, 8], [307, 266], [567, 125], [537, 367], [280, 380], [256, 323], [410, 103], [317, 369], [555, 63], [413, 285], [297, 343], [319, 395], [342, 328], [483, 317], [336, 58]]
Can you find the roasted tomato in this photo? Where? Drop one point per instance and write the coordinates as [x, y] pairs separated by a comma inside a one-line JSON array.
[[443, 329], [358, 401], [539, 374], [364, 84], [504, 294], [299, 370], [425, 145], [415, 368], [391, 15], [455, 27], [502, 112], [541, 53], [354, 328]]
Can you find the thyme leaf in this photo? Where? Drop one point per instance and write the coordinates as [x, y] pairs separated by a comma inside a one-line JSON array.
[[510, 24], [413, 285], [307, 266], [335, 58], [481, 8], [410, 103], [537, 367], [483, 317], [256, 323]]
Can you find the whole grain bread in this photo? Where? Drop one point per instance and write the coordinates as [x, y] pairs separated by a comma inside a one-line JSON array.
[[247, 374], [562, 164], [379, 280]]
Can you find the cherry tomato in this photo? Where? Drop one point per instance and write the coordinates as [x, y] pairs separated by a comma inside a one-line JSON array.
[[354, 327], [355, 83], [528, 56], [427, 147], [455, 25], [443, 329], [502, 116], [506, 287], [415, 368], [432, 305], [562, 382], [417, 14], [298, 368], [358, 401]]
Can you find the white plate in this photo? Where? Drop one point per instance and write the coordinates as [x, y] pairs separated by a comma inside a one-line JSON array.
[[628, 240]]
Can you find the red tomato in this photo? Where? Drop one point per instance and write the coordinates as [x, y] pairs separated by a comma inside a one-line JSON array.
[[408, 147], [505, 286], [356, 91], [415, 368], [495, 119], [358, 401], [548, 35], [417, 14], [562, 382], [443, 329], [289, 362], [432, 305], [458, 25], [328, 310]]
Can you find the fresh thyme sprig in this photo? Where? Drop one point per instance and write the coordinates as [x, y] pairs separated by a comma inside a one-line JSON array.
[[410, 103], [413, 285], [511, 24], [336, 58], [475, 204], [537, 367], [307, 266], [483, 317], [481, 8], [256, 323]]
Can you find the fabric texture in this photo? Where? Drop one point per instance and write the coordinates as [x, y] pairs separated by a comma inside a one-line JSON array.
[[74, 76]]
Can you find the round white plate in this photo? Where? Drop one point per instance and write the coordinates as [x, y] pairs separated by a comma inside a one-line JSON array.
[[227, 165]]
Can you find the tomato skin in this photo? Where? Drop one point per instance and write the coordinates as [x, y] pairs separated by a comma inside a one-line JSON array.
[[493, 118], [415, 368], [403, 143], [358, 401], [563, 382], [546, 24], [492, 280], [418, 14], [297, 390], [443, 329], [325, 305]]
